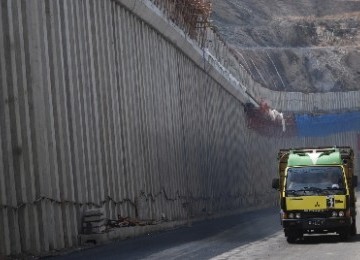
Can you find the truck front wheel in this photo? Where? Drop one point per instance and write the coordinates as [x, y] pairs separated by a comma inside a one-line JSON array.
[[293, 235], [291, 239]]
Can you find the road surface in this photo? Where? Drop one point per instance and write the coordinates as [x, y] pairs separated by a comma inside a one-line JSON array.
[[252, 235]]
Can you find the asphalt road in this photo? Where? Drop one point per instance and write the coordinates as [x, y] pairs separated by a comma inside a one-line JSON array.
[[252, 235]]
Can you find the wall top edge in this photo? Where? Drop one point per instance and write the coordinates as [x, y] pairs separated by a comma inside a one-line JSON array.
[[149, 13]]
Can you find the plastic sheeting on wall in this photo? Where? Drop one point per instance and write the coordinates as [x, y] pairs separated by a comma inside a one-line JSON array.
[[301, 125], [322, 125]]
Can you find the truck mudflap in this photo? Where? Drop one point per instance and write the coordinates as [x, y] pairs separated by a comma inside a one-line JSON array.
[[317, 224]]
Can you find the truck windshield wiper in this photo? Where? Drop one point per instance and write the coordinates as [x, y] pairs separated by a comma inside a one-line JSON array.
[[333, 188], [312, 189], [295, 192], [291, 191]]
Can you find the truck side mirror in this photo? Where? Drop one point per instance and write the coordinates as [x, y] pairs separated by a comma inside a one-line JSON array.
[[275, 183], [355, 181]]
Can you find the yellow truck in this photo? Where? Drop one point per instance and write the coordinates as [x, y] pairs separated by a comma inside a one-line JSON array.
[[317, 191]]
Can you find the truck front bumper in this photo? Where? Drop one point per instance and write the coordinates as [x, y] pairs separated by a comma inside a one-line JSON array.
[[329, 224]]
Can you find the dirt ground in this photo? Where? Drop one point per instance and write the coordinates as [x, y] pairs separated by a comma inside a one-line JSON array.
[[305, 45]]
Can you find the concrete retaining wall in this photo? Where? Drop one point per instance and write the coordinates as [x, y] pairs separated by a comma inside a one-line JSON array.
[[99, 108]]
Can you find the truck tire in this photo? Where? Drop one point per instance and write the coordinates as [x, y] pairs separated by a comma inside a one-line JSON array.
[[344, 234], [353, 230], [292, 237]]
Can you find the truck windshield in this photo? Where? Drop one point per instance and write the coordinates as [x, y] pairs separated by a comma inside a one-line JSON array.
[[327, 180]]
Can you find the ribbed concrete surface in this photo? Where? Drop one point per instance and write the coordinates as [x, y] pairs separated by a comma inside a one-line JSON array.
[[297, 101], [100, 109]]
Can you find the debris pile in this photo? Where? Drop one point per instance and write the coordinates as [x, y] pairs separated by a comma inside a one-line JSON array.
[[94, 221], [129, 222]]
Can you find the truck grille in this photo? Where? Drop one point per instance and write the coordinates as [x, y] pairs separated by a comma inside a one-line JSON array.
[[315, 214]]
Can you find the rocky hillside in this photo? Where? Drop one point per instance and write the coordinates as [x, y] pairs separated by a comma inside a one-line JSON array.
[[303, 45]]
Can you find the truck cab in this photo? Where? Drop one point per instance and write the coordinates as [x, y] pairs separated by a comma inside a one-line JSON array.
[[317, 191]]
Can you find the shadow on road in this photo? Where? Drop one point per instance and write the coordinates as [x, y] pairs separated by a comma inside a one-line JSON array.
[[202, 240], [355, 238], [328, 238]]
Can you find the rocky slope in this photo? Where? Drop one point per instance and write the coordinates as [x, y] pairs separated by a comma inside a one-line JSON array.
[[286, 45]]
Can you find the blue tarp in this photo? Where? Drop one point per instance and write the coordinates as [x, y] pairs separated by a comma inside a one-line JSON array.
[[322, 125]]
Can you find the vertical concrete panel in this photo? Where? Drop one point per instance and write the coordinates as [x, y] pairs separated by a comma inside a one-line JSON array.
[[92, 41], [31, 235], [112, 115], [132, 111], [57, 36], [23, 157], [179, 160], [123, 79], [85, 42], [53, 178], [111, 103], [135, 118], [101, 87], [74, 92], [160, 128], [183, 151], [4, 247], [3, 200], [82, 101], [10, 132], [130, 135], [6, 100], [148, 195], [151, 89], [180, 135], [171, 174], [77, 105], [50, 13], [116, 70], [177, 134], [190, 141], [40, 146], [146, 115], [71, 125]]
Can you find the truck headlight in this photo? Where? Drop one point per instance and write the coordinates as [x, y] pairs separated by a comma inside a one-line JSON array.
[[298, 215], [341, 213], [334, 214], [291, 215]]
